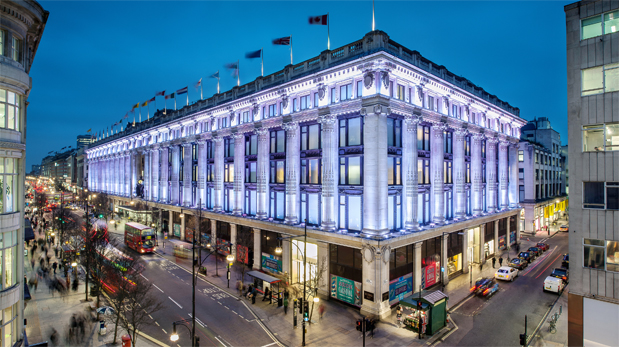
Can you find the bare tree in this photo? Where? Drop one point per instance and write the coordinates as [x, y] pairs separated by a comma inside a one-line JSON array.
[[315, 280], [244, 242], [40, 201], [139, 304], [102, 205]]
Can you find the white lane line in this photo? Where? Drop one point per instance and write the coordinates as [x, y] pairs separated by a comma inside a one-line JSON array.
[[270, 344], [144, 277], [165, 332], [221, 342], [175, 302], [197, 321], [157, 324], [151, 317], [241, 317], [234, 312], [227, 307], [219, 302], [158, 288]]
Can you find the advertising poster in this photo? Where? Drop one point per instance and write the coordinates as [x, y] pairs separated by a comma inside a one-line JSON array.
[[512, 237], [400, 288], [189, 234], [430, 272], [502, 242], [271, 263], [223, 246], [177, 230], [242, 254], [346, 290]]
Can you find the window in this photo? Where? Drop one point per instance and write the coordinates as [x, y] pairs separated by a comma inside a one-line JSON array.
[[272, 110], [592, 27], [250, 172], [305, 102], [333, 95], [423, 208], [401, 92], [316, 99], [521, 193], [346, 92], [600, 79], [593, 195], [449, 209], [310, 208], [394, 212], [310, 137], [346, 262], [278, 141], [431, 103], [246, 118], [448, 172], [251, 145], [310, 171], [600, 137], [394, 132], [1, 42], [401, 262], [520, 173], [351, 132], [350, 170], [593, 254], [228, 147], [612, 256], [250, 202], [277, 205], [455, 111], [10, 104], [8, 266], [277, 171], [394, 171], [447, 142], [16, 49], [467, 146], [350, 212], [228, 172], [359, 89], [294, 105], [467, 178], [423, 171], [423, 138], [521, 156]]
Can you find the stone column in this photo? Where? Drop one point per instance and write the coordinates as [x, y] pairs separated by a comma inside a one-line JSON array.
[[375, 279], [437, 159], [482, 241], [491, 175], [183, 217], [175, 175], [444, 257], [134, 171], [239, 177], [410, 183], [514, 197], [165, 164], [202, 173], [329, 169], [459, 174], [323, 284], [154, 158], [147, 176], [257, 249], [233, 239], [417, 266], [292, 167], [465, 251], [476, 139], [503, 174], [286, 258], [262, 187], [187, 168], [171, 224], [128, 174], [375, 164], [496, 238]]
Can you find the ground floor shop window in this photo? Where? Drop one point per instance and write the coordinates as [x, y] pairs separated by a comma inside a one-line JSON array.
[[8, 335], [431, 262], [298, 249], [454, 253]]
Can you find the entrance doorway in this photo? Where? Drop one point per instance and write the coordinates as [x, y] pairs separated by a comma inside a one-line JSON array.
[[297, 261], [474, 245]]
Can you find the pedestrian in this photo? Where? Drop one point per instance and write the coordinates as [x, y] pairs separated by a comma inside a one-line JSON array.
[[32, 262], [321, 311], [253, 296], [54, 266], [493, 262], [481, 265], [54, 337], [517, 248], [35, 282], [239, 286], [266, 294], [285, 304], [501, 261]]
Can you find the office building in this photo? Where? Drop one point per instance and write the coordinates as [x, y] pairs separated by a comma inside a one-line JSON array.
[[83, 141]]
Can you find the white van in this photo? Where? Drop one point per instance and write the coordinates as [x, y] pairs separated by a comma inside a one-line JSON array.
[[553, 284]]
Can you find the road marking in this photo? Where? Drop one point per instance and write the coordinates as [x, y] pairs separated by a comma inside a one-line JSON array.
[[460, 304], [221, 341], [157, 324], [151, 317], [175, 302], [165, 332], [198, 321], [270, 344], [541, 272], [227, 307], [144, 277], [234, 312], [157, 288]]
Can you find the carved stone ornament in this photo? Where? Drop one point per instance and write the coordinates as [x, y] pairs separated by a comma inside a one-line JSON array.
[[386, 253], [368, 79], [322, 91], [368, 252], [419, 93], [385, 77], [285, 101], [255, 109]]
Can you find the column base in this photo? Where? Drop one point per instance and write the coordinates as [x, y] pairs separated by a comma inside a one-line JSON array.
[[373, 233], [383, 311], [438, 220], [328, 226], [460, 215], [237, 212], [262, 215], [477, 213], [408, 226], [491, 209], [291, 220], [217, 209], [504, 207]]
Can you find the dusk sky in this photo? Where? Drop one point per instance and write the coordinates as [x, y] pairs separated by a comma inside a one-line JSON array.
[[97, 59]]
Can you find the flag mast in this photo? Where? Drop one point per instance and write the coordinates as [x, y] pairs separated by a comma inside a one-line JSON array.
[[262, 61], [328, 37], [140, 113], [373, 22], [217, 81], [238, 73], [201, 96], [290, 49]]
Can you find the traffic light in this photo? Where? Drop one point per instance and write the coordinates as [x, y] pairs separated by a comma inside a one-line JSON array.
[[300, 305], [419, 305], [359, 326], [523, 339], [100, 216], [306, 310]]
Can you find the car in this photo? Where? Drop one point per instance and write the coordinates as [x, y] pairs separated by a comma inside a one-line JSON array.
[[553, 284], [526, 256], [535, 252], [564, 228], [518, 263], [506, 273], [566, 261], [543, 246], [561, 273], [485, 286]]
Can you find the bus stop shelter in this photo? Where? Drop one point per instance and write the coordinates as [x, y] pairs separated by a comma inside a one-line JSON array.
[[263, 281]]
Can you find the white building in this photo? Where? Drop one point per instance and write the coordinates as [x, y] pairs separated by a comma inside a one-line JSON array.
[[398, 166], [21, 26], [542, 178], [593, 126]]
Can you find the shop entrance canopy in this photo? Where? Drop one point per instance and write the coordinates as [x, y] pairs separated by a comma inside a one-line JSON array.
[[262, 276]]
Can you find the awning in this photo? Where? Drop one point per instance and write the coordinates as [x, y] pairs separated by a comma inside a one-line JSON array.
[[264, 277], [28, 234]]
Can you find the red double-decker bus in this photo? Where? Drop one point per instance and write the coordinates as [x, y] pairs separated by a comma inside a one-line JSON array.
[[139, 237]]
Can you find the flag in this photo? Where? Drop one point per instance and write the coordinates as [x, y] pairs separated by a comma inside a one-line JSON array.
[[181, 91], [145, 104], [285, 41], [161, 93], [198, 84], [319, 20], [89, 130], [254, 54], [135, 106], [169, 96], [215, 75], [152, 100], [126, 115], [231, 66]]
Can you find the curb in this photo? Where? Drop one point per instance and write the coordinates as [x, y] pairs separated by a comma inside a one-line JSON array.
[[459, 302], [543, 320]]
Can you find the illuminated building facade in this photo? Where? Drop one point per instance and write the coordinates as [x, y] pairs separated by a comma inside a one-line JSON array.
[[398, 166]]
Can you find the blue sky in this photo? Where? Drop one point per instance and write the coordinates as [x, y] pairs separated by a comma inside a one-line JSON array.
[[97, 59]]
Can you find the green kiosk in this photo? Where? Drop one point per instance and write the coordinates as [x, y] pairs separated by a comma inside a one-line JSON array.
[[429, 308]]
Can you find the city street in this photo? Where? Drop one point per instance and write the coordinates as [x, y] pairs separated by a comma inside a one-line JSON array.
[[499, 320]]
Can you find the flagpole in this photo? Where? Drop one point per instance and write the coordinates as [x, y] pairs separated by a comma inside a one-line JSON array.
[[201, 96], [165, 105], [174, 101], [217, 81], [148, 112], [187, 97], [290, 49], [140, 119], [238, 73], [328, 37], [373, 22], [262, 61]]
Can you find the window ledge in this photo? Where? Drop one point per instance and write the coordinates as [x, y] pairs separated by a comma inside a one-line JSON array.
[[10, 221]]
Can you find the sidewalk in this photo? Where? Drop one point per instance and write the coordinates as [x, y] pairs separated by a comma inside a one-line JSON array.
[[49, 310], [545, 338]]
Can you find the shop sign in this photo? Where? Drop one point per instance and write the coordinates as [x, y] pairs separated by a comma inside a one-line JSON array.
[[223, 246], [346, 290], [177, 230], [502, 242], [512, 237], [430, 273], [400, 288], [189, 234], [242, 254], [271, 263]]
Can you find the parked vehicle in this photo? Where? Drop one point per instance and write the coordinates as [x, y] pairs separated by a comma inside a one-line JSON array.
[[564, 228], [485, 287], [543, 246], [561, 273], [526, 256], [518, 263], [566, 261], [506, 273], [535, 252], [553, 284]]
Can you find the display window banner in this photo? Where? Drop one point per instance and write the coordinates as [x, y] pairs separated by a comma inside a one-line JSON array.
[[502, 242], [177, 230], [512, 237], [271, 263], [242, 254], [346, 290], [400, 288], [430, 273]]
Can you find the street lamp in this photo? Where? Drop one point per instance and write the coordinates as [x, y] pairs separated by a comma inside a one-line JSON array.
[[174, 336]]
